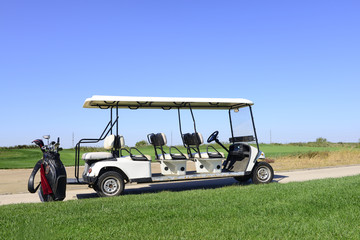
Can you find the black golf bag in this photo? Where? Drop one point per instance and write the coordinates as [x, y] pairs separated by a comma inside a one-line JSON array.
[[53, 177]]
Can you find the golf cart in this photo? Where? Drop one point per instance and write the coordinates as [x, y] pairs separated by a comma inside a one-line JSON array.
[[107, 172]]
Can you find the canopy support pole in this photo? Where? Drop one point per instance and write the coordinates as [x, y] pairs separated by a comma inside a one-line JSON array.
[[231, 125], [253, 123]]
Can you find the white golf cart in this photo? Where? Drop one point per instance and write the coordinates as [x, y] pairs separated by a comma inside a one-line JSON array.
[[107, 172]]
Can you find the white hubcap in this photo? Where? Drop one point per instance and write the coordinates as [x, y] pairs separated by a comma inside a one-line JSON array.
[[263, 174], [111, 185]]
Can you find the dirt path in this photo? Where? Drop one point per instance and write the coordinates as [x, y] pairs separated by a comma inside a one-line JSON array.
[[14, 183], [15, 180]]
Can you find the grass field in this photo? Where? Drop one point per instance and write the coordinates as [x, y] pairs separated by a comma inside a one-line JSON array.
[[317, 159], [321, 209], [287, 156]]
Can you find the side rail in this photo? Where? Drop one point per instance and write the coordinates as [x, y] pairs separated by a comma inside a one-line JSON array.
[[106, 131]]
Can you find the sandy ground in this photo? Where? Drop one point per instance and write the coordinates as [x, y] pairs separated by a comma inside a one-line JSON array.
[[14, 183], [15, 180]]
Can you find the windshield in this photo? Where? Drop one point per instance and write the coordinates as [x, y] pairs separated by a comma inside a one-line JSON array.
[[242, 126]]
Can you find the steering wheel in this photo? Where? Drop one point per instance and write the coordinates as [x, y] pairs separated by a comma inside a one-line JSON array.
[[213, 136]]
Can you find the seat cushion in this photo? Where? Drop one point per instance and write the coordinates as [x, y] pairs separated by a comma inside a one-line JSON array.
[[141, 158], [97, 156], [169, 157], [210, 155]]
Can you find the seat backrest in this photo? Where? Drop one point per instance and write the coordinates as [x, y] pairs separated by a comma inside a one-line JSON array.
[[193, 139], [157, 140], [109, 142], [114, 142], [119, 142]]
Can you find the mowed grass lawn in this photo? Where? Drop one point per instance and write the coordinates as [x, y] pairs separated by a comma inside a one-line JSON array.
[[321, 209], [26, 158]]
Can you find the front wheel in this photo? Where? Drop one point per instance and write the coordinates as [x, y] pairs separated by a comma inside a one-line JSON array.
[[110, 184], [262, 173]]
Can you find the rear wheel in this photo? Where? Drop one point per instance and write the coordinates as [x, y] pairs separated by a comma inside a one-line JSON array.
[[110, 184], [262, 173]]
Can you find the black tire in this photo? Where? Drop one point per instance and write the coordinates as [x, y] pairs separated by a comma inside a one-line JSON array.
[[262, 173], [243, 179], [110, 184]]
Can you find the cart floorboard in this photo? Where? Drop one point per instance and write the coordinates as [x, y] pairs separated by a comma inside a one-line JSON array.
[[193, 176]]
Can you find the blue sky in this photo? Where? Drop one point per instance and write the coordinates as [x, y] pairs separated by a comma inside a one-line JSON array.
[[297, 60]]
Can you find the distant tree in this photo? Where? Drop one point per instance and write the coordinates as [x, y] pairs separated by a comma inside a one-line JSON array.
[[321, 140], [141, 143]]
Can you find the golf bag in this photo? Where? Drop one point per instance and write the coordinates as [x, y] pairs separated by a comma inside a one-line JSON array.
[[52, 177]]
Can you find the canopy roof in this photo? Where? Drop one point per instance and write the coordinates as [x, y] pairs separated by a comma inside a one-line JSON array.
[[105, 102]]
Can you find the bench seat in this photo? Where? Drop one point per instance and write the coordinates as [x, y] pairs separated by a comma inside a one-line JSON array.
[[97, 156], [208, 155]]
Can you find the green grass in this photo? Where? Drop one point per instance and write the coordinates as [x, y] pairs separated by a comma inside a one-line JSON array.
[[321, 209], [279, 150], [19, 158], [26, 158]]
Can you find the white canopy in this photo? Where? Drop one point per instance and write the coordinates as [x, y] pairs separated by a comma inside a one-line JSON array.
[[105, 102]]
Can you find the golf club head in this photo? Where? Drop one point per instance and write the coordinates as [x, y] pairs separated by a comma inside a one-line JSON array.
[[46, 137], [39, 142]]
